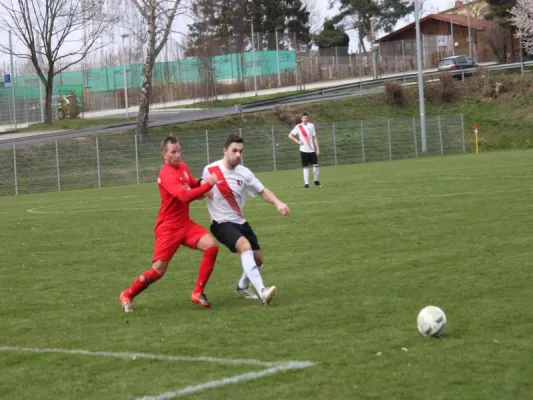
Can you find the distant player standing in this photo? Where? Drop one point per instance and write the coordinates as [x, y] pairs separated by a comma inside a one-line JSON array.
[[228, 224], [174, 226], [304, 134]]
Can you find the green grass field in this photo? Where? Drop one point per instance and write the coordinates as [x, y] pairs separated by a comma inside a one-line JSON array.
[[353, 265]]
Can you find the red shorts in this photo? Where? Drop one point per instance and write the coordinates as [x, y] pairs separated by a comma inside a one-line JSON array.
[[168, 240]]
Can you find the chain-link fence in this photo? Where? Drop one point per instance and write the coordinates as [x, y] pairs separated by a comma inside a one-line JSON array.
[[216, 68], [22, 101], [91, 162]]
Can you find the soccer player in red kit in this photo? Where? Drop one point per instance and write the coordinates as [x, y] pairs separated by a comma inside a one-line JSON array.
[[174, 226]]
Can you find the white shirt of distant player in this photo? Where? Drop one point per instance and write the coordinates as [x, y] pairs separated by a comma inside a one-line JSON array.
[[242, 183], [310, 129]]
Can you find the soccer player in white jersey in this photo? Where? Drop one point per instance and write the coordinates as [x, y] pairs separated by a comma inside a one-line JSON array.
[[304, 134], [228, 224]]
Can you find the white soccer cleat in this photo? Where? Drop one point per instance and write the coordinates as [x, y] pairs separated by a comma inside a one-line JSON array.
[[247, 293], [267, 294]]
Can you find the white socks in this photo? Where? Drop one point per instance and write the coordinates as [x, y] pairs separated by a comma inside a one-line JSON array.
[[315, 173], [306, 175], [244, 282], [251, 271]]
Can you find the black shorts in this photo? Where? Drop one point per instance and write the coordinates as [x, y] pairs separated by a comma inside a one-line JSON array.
[[308, 158], [228, 233]]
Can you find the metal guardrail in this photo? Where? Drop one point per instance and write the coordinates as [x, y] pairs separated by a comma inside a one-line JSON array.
[[327, 92]]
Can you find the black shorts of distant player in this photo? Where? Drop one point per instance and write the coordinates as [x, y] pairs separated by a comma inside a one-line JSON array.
[[308, 158], [228, 233]]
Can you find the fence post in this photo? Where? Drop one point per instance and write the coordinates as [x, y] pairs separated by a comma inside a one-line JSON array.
[[334, 144], [15, 170], [360, 80], [57, 169], [25, 106], [136, 159], [440, 136], [363, 140], [207, 145], [390, 139], [274, 147], [98, 163], [463, 132], [414, 135], [242, 156]]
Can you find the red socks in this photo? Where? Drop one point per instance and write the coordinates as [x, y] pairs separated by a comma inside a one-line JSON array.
[[143, 281], [206, 267]]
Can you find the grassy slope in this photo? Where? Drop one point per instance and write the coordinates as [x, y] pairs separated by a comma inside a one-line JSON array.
[[505, 122]]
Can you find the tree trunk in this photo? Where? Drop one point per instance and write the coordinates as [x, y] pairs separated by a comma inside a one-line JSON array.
[[146, 94], [48, 108]]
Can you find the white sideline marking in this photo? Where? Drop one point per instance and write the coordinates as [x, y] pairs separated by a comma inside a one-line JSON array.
[[38, 210], [230, 380], [273, 367], [160, 357]]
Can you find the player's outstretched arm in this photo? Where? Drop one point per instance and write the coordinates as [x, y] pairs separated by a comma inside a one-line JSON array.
[[187, 195], [271, 198], [194, 182]]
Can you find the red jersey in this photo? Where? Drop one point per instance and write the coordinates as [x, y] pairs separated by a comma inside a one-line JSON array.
[[177, 188]]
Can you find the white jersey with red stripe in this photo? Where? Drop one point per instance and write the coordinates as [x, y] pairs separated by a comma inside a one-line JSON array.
[[230, 192], [306, 133]]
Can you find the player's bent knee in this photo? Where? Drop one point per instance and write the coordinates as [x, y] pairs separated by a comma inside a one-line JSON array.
[[206, 242], [243, 245], [210, 241], [160, 266]]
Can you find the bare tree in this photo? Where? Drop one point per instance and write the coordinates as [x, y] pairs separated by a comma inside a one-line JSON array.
[[52, 34], [522, 18], [157, 17]]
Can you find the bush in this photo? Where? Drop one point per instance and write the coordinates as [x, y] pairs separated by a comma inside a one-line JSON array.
[[287, 114], [444, 90], [394, 94]]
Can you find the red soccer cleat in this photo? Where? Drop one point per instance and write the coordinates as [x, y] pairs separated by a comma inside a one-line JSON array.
[[125, 301], [200, 298]]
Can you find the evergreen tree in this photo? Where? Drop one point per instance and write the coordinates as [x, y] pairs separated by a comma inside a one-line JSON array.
[[330, 36], [360, 13], [224, 26], [500, 11]]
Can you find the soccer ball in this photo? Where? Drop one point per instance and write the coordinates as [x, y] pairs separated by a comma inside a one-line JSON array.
[[431, 321]]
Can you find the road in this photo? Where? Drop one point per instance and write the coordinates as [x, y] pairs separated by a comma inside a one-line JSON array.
[[160, 116], [157, 118]]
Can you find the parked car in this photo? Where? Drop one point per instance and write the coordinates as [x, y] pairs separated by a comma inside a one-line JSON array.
[[457, 63]]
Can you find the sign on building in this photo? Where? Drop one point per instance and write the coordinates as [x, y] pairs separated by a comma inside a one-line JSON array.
[[442, 41]]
